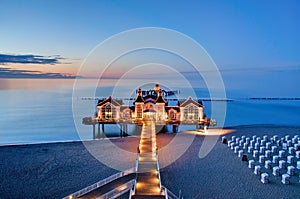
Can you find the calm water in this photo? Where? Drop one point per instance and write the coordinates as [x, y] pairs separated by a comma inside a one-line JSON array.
[[41, 111]]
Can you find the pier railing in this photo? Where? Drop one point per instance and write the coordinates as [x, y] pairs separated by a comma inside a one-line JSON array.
[[169, 194], [118, 191], [100, 183], [96, 120]]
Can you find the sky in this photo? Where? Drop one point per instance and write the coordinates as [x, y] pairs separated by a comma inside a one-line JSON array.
[[254, 43]]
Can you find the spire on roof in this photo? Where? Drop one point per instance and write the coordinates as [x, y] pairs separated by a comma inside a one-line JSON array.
[[160, 98], [139, 98], [157, 87]]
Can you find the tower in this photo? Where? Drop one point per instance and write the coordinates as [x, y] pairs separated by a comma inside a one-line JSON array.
[[139, 103], [160, 104]]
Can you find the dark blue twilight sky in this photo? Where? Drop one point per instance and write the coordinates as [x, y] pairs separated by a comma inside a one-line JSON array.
[[254, 43]]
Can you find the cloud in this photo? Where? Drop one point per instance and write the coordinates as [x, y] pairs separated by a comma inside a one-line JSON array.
[[29, 59], [13, 73]]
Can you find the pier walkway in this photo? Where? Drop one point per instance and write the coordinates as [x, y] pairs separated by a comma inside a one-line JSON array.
[[114, 188], [143, 181], [148, 184], [110, 187]]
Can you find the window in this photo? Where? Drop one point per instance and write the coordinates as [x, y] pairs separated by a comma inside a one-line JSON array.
[[108, 112], [127, 114], [191, 113], [148, 107], [172, 114]]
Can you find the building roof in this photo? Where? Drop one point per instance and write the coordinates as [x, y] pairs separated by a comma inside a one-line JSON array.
[[176, 108], [149, 110], [110, 100], [150, 98], [160, 98], [139, 98], [122, 108], [190, 100]]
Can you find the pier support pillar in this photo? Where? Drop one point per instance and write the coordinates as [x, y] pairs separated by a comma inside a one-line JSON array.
[[103, 132], [175, 128], [121, 130], [94, 131], [124, 130], [98, 135]]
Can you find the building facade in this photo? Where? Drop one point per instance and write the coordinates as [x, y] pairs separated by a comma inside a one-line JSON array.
[[151, 105]]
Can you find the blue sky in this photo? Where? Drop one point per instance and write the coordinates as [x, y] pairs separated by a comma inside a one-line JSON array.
[[248, 40]]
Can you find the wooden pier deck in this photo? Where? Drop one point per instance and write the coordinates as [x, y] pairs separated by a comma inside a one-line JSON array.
[[148, 184], [143, 181]]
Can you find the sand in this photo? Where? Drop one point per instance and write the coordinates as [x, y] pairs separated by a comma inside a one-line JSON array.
[[55, 170], [222, 174], [52, 170]]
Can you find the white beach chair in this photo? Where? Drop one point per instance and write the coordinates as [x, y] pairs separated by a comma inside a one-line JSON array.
[[262, 149], [298, 165], [250, 149], [268, 164], [290, 159], [257, 170], [298, 154], [261, 159], [291, 170], [285, 179], [281, 154], [274, 149], [275, 159], [268, 154], [282, 164], [255, 153], [264, 178], [268, 145], [240, 153], [251, 164], [276, 171]]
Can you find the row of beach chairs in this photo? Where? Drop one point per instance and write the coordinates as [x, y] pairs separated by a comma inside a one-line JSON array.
[[277, 156]]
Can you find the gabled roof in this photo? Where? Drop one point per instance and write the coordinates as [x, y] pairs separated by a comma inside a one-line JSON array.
[[200, 102], [122, 108], [149, 111], [190, 101], [176, 108], [110, 100]]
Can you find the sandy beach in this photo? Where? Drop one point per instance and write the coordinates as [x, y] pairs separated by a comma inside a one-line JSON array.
[[55, 170]]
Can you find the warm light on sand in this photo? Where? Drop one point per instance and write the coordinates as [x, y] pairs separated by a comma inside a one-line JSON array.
[[210, 132]]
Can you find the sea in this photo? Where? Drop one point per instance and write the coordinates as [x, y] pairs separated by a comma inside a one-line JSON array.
[[46, 110]]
